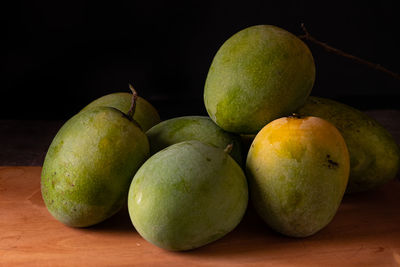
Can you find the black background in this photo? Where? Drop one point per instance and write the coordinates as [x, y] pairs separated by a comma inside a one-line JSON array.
[[59, 56]]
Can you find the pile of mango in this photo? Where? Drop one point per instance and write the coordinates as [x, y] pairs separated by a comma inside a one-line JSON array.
[[187, 180]]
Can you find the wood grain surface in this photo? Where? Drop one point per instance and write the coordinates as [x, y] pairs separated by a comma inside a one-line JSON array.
[[364, 232]]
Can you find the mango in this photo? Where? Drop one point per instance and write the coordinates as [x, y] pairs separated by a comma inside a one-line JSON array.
[[187, 128], [298, 170], [259, 74], [187, 195], [374, 154], [90, 164], [145, 114]]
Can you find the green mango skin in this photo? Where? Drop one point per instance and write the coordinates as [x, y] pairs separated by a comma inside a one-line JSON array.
[[90, 164], [374, 154], [298, 169], [145, 114], [187, 195], [259, 74], [187, 128]]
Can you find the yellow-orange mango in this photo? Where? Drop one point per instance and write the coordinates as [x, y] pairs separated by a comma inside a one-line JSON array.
[[298, 169]]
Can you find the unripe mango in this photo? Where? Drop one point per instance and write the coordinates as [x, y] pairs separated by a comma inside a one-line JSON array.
[[188, 128], [187, 195], [259, 74], [374, 154], [145, 114], [298, 170], [90, 164]]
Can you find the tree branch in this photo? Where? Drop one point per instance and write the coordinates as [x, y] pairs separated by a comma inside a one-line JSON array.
[[307, 36]]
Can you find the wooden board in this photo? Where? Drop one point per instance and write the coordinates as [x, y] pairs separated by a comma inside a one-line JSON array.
[[365, 232]]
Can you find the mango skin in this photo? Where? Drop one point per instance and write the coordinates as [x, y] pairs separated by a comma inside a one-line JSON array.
[[374, 154], [89, 166], [145, 114], [259, 74], [187, 195], [298, 170], [187, 128]]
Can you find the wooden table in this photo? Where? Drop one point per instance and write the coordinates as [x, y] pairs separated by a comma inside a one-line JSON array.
[[365, 232]]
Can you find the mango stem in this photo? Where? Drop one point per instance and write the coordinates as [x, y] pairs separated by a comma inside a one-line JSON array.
[[131, 111], [228, 148], [296, 116]]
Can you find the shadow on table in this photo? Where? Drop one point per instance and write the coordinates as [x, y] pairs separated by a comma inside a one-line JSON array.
[[349, 230], [119, 223]]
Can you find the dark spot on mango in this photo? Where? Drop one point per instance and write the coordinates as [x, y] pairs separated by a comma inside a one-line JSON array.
[[208, 159], [332, 164]]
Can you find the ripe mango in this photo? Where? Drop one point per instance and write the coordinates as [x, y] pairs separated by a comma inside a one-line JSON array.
[[259, 74], [374, 154], [145, 114], [187, 128], [90, 164], [187, 195], [298, 170]]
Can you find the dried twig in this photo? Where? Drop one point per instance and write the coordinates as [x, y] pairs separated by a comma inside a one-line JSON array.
[[307, 36]]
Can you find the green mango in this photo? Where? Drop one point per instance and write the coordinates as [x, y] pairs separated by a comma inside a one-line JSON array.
[[187, 128], [298, 170], [90, 164], [374, 154], [145, 114], [187, 195], [259, 74]]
